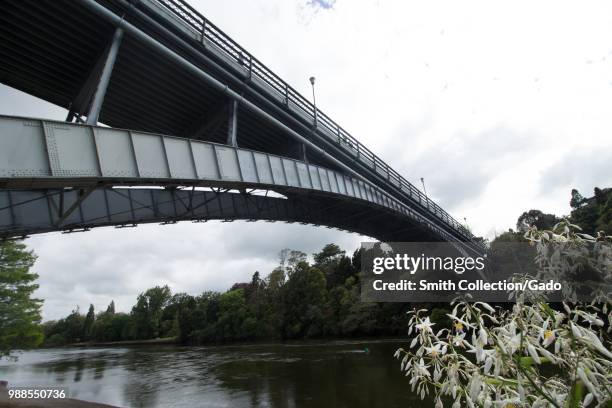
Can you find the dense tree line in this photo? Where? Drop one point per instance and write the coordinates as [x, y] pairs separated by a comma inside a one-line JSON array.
[[298, 299], [592, 214]]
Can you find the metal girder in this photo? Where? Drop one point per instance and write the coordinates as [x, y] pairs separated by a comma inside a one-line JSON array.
[[105, 75], [43, 153], [65, 213], [38, 154], [232, 128], [31, 211], [81, 103]]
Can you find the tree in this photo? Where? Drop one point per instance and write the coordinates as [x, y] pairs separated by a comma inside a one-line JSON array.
[[577, 199], [289, 258], [19, 311], [111, 327], [334, 264], [147, 312], [329, 254], [604, 221], [176, 317], [88, 323], [304, 301], [111, 308], [234, 320], [73, 326], [595, 213], [536, 218]]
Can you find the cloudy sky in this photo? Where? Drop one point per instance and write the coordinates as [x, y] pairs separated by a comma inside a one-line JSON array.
[[501, 107]]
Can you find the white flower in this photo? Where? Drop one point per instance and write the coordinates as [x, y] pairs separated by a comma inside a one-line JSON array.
[[585, 380], [548, 337], [421, 369], [458, 340], [425, 325], [533, 353], [483, 336], [592, 320], [474, 387], [591, 339], [588, 399], [436, 350], [488, 365]]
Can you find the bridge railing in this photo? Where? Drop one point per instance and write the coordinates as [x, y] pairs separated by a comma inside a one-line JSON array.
[[330, 128]]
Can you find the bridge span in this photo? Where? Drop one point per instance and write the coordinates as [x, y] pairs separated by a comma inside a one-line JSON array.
[[185, 108]]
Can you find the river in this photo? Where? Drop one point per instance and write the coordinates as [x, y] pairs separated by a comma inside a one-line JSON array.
[[295, 374]]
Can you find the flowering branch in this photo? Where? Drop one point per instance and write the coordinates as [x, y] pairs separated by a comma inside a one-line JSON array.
[[496, 357]]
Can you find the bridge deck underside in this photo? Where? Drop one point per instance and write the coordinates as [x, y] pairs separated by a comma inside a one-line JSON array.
[[45, 210], [49, 49]]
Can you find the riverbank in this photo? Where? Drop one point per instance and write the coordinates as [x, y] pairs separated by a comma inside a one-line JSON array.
[[165, 340], [173, 341], [6, 402]]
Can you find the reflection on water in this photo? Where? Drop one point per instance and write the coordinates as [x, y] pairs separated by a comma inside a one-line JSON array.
[[300, 374]]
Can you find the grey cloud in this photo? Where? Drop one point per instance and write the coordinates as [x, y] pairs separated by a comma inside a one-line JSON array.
[[584, 170], [323, 4], [458, 171]]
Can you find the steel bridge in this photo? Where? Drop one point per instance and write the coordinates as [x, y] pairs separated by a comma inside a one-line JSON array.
[[194, 128]]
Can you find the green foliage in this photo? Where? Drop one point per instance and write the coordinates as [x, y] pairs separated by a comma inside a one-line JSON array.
[[538, 218], [595, 213], [334, 264], [111, 308], [65, 331], [304, 301], [439, 316], [19, 311], [112, 327], [147, 312], [296, 300], [55, 340], [88, 323], [577, 199]]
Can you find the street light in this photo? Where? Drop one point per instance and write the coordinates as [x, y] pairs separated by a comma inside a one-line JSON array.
[[424, 189], [314, 101]]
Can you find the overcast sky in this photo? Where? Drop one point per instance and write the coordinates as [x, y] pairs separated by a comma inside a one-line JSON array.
[[501, 107]]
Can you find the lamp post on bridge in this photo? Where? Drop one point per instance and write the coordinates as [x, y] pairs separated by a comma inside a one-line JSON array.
[[423, 183], [314, 101]]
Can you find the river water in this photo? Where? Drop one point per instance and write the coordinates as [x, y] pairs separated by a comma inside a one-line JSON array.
[[295, 374]]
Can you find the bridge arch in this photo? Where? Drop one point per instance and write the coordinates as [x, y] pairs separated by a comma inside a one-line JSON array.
[[64, 176]]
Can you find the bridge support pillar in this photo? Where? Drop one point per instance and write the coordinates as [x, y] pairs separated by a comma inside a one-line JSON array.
[[107, 70], [232, 128]]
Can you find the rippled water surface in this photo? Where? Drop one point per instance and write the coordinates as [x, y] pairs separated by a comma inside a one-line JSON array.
[[300, 374]]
